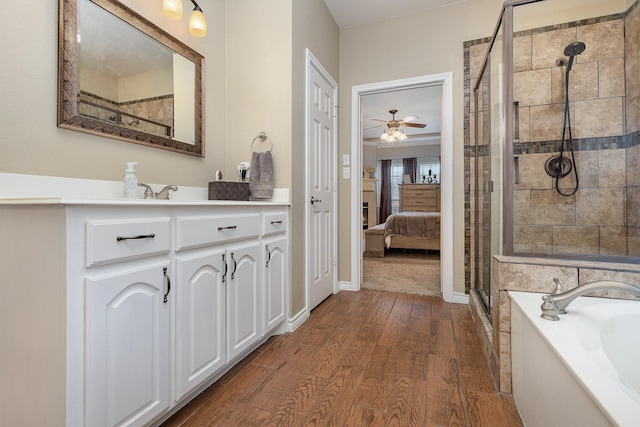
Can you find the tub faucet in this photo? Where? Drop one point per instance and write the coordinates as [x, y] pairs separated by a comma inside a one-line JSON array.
[[556, 303], [162, 194]]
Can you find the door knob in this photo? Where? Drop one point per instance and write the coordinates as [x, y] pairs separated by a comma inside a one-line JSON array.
[[314, 200]]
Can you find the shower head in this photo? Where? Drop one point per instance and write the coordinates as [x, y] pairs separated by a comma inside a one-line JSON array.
[[575, 48]]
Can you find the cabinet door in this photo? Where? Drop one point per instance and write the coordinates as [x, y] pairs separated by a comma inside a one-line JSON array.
[[127, 347], [243, 284], [274, 283], [200, 318]]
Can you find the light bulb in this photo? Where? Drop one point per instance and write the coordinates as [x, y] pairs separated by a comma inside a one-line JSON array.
[[403, 136], [197, 23], [384, 136], [172, 9]]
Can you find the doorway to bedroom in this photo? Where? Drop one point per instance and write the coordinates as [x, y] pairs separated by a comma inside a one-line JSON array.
[[400, 189]]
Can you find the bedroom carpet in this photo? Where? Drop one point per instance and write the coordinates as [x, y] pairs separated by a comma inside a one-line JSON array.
[[411, 273]]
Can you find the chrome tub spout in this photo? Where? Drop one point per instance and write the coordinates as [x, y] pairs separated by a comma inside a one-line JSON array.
[[556, 304]]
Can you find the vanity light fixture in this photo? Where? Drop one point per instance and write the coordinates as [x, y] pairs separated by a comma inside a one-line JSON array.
[[197, 23], [172, 9]]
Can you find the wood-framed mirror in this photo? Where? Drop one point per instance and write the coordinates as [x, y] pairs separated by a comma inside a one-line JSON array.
[[123, 77]]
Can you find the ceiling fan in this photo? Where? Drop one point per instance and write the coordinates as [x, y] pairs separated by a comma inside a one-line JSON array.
[[393, 131]]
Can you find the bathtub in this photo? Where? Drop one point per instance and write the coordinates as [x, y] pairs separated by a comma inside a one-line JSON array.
[[583, 370]]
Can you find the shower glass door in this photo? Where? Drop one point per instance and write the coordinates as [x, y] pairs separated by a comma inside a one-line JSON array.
[[489, 139]]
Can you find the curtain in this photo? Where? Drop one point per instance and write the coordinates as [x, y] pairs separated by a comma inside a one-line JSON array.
[[385, 190], [410, 167]]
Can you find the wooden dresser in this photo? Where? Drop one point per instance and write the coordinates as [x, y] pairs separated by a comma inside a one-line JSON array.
[[419, 197]]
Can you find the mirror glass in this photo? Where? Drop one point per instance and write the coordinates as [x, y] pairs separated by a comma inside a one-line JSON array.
[[123, 77]]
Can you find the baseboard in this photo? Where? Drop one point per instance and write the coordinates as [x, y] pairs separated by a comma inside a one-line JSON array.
[[296, 321], [460, 298], [346, 286]]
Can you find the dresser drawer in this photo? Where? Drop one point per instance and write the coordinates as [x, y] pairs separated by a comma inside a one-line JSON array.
[[193, 232], [109, 241], [274, 223]]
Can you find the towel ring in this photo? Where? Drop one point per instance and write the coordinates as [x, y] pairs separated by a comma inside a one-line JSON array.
[[262, 137]]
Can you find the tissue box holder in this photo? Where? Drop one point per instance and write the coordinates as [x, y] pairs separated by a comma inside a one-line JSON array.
[[227, 190]]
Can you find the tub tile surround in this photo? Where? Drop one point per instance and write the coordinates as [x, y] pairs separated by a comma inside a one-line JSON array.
[[535, 275]]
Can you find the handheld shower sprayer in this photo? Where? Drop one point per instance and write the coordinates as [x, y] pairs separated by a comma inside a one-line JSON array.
[[572, 50], [560, 166]]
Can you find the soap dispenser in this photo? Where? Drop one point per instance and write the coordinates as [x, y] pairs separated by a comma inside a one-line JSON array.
[[130, 181]]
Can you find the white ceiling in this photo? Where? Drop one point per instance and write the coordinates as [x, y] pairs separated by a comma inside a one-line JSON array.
[[424, 102], [348, 13]]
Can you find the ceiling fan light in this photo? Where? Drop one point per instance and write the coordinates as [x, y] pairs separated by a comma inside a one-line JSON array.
[[384, 136], [403, 136], [197, 23], [172, 9], [396, 134]]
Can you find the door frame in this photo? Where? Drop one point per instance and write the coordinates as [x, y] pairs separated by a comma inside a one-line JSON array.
[[446, 173], [312, 61]]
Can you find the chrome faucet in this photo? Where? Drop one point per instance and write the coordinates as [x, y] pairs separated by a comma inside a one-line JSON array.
[[162, 194], [556, 303]]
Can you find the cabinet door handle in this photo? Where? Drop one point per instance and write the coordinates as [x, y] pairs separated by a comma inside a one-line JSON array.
[[268, 256], [141, 236], [276, 222], [231, 227], [164, 271], [235, 266], [226, 268]]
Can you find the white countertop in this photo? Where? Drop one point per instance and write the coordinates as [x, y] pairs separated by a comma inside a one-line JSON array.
[[132, 202]]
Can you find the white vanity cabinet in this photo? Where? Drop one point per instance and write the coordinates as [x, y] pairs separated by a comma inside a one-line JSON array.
[[127, 360], [124, 311], [275, 270], [128, 306]]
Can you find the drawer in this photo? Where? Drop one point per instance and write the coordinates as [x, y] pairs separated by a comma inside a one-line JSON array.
[[109, 241], [274, 223], [193, 232], [420, 202]]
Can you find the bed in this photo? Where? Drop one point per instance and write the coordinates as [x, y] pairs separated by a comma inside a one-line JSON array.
[[405, 230]]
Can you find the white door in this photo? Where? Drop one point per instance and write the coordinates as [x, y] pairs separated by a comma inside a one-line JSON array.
[[243, 284], [127, 351], [321, 137], [200, 318], [274, 283]]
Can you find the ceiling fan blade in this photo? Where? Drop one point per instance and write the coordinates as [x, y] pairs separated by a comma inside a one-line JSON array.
[[379, 120], [409, 118], [414, 125], [374, 127]]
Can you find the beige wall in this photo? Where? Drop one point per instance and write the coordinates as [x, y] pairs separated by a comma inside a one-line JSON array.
[[313, 28], [30, 141], [415, 45], [420, 44]]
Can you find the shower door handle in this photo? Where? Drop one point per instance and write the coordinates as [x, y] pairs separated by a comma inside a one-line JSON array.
[[488, 186]]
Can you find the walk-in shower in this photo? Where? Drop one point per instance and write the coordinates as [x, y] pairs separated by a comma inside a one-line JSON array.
[[553, 145]]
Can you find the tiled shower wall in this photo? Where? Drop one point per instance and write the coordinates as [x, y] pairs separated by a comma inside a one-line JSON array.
[[599, 218], [605, 94], [152, 110]]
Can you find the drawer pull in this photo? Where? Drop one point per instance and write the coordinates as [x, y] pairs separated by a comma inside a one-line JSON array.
[[141, 236], [231, 227], [276, 222]]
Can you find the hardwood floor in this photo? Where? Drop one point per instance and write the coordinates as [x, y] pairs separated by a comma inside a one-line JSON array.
[[365, 358]]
